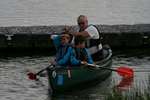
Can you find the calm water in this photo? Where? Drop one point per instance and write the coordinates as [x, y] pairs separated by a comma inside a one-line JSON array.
[[14, 84], [64, 12]]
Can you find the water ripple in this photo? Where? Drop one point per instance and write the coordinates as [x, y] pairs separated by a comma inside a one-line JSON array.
[[15, 85]]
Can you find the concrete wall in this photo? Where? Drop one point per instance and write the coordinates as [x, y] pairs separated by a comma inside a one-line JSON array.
[[117, 36]]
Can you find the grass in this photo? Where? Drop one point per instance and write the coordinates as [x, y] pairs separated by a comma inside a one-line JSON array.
[[131, 95]]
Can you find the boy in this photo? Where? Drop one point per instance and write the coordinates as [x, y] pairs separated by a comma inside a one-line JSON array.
[[63, 48], [80, 54]]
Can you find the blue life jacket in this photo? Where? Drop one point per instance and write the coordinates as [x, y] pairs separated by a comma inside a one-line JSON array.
[[62, 50]]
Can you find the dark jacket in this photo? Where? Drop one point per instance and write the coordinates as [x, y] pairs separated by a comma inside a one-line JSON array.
[[79, 55]]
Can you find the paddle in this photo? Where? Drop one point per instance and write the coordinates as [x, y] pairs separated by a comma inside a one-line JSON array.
[[33, 76], [122, 71]]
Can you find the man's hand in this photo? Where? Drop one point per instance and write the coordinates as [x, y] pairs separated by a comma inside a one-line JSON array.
[[83, 33]]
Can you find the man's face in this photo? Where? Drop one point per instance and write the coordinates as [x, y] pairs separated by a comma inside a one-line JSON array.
[[83, 23]]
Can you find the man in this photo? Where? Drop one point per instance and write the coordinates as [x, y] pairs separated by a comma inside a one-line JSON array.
[[88, 31], [91, 33]]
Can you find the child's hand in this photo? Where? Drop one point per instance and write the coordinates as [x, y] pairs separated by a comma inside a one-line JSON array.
[[52, 61], [84, 62]]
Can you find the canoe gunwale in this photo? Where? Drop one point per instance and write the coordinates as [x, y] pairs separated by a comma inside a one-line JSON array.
[[101, 62]]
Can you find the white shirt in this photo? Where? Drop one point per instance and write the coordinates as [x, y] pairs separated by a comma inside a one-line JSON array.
[[93, 32]]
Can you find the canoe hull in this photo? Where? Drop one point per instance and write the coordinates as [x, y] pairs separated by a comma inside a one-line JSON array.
[[70, 78]]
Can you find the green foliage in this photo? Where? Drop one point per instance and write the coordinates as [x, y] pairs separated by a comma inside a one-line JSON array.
[[134, 95]]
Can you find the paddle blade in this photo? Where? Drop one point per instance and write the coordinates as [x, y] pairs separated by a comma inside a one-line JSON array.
[[125, 72], [31, 76]]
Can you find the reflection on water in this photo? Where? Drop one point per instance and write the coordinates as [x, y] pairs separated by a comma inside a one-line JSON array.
[[125, 84], [15, 85]]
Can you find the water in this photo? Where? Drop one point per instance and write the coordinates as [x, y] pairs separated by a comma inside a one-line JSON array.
[[65, 12], [15, 85]]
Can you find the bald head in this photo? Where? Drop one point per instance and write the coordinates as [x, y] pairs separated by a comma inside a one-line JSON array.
[[82, 22], [81, 18]]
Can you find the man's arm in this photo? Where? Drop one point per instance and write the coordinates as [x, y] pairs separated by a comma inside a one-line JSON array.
[[90, 31], [83, 33]]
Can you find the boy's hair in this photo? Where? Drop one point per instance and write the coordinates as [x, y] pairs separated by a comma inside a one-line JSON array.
[[66, 31], [79, 39]]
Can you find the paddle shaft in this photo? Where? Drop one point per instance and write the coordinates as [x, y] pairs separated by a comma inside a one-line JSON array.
[[42, 70], [97, 66], [122, 71]]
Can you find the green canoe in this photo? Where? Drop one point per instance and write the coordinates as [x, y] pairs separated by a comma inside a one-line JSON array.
[[66, 79]]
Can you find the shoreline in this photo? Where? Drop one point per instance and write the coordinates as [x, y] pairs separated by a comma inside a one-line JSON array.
[[117, 36]]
